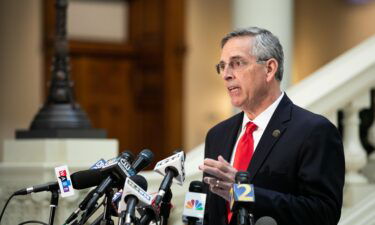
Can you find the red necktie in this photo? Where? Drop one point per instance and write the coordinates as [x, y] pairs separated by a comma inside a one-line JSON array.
[[244, 153]]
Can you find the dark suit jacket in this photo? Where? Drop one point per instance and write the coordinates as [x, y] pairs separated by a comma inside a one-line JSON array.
[[298, 176]]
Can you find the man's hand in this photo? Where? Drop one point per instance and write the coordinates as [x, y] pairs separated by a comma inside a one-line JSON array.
[[223, 176]]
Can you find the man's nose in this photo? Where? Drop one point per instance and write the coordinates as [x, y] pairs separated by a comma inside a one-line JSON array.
[[227, 73]]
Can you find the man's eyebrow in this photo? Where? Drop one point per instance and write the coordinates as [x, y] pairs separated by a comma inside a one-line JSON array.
[[236, 57]]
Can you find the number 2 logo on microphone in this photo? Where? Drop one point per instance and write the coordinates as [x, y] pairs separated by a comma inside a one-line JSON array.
[[244, 192]]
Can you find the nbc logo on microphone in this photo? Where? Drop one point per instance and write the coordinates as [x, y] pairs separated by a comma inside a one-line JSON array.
[[194, 204]]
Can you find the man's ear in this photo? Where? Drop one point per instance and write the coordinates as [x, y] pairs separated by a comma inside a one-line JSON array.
[[271, 68]]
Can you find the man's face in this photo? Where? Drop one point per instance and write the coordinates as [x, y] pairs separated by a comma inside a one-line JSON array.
[[244, 78]]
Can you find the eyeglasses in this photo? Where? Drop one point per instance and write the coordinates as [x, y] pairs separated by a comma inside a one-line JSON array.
[[234, 65]]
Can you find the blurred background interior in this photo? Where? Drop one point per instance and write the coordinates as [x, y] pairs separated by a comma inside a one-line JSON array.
[[143, 70]]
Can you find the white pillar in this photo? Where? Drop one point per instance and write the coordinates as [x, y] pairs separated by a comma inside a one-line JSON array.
[[355, 155], [369, 171], [275, 16], [332, 116]]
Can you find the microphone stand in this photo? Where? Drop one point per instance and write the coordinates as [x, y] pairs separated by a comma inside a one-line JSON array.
[[86, 215], [244, 217], [165, 207], [107, 220], [53, 205], [192, 220], [105, 217], [98, 219]]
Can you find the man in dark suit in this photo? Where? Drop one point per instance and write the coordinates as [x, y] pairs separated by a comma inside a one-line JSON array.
[[294, 157]]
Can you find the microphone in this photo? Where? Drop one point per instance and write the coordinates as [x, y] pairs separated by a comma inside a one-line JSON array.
[[99, 164], [134, 193], [157, 213], [93, 177], [128, 156], [143, 159], [242, 198], [80, 180], [171, 167], [81, 207], [150, 213], [266, 220], [64, 183], [116, 172], [50, 186], [116, 201], [113, 173], [165, 207], [195, 202], [89, 177]]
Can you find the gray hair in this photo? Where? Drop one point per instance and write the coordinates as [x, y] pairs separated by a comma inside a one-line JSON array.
[[265, 46]]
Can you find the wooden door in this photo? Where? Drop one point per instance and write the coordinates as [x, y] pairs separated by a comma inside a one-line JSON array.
[[132, 89]]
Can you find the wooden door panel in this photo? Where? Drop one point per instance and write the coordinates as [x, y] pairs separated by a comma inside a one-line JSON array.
[[132, 89]]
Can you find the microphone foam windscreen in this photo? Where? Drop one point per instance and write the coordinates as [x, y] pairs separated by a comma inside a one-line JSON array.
[[146, 153], [128, 156], [266, 220], [143, 159], [196, 186], [86, 178], [140, 181]]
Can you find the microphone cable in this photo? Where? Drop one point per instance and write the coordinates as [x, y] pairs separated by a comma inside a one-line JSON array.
[[33, 221], [5, 206]]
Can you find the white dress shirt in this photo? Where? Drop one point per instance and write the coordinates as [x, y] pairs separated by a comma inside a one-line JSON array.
[[261, 121]]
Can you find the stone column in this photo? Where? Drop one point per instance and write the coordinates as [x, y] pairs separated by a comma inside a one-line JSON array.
[[355, 155], [276, 16], [369, 170]]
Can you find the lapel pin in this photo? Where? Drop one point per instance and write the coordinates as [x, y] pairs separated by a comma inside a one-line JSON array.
[[276, 133]]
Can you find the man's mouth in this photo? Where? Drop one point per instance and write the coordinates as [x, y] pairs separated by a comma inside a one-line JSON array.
[[233, 88]]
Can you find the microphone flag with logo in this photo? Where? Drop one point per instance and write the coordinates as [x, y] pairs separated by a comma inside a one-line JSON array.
[[134, 194], [242, 198], [171, 168], [194, 205], [64, 180]]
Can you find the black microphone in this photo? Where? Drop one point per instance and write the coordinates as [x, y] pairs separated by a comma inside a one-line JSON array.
[[266, 220], [50, 186], [155, 212], [128, 156], [134, 193], [143, 159], [242, 198], [116, 172], [171, 167], [81, 207], [80, 180], [149, 213], [87, 178], [165, 207], [113, 173]]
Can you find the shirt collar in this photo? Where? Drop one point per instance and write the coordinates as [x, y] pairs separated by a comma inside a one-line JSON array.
[[264, 117]]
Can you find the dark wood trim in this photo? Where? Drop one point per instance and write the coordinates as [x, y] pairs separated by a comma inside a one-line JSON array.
[[174, 52]]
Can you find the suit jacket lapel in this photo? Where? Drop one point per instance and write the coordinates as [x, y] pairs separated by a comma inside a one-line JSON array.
[[271, 135], [229, 138]]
